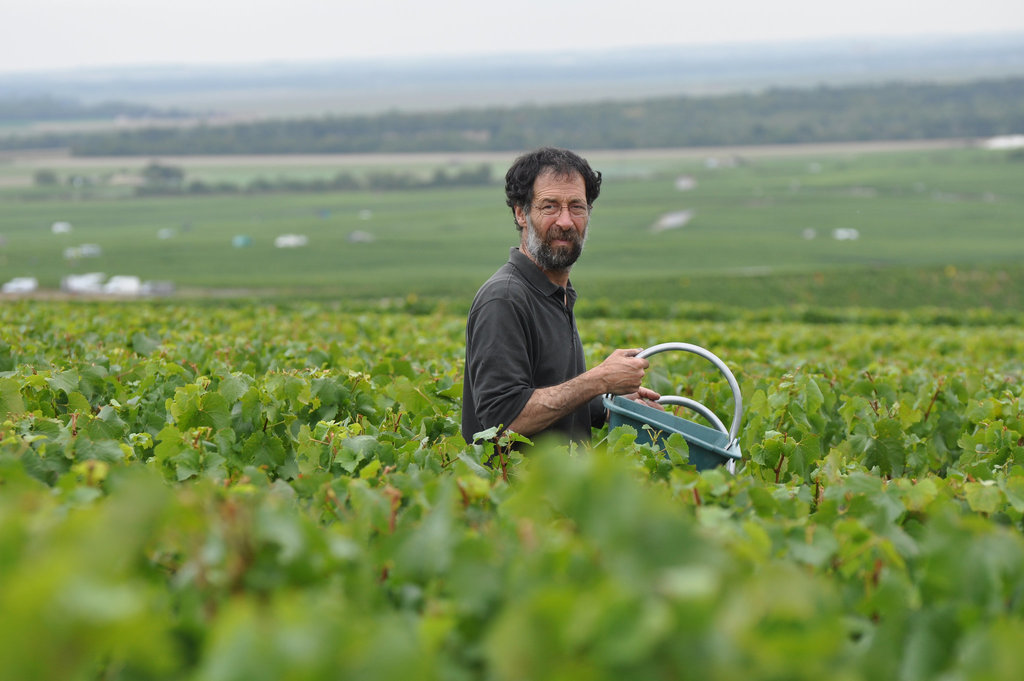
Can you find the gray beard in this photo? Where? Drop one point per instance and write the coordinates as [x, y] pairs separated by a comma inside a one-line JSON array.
[[550, 259]]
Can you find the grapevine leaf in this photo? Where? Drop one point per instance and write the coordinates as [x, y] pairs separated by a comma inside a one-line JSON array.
[[101, 450], [65, 380], [78, 402], [887, 450], [215, 411], [263, 449], [355, 450], [142, 344], [983, 497], [233, 387], [1013, 488], [917, 497], [803, 455], [10, 398]]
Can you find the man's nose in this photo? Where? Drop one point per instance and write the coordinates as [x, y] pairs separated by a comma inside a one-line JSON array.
[[565, 218]]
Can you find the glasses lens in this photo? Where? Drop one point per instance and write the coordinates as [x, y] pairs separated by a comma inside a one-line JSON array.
[[576, 210]]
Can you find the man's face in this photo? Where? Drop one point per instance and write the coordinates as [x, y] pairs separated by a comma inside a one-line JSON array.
[[555, 224]]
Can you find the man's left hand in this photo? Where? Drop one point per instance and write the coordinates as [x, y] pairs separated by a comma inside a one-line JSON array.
[[646, 396]]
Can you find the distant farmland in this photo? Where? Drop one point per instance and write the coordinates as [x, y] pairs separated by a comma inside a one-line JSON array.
[[762, 231]]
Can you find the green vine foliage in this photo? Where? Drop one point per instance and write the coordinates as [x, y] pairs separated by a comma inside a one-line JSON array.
[[282, 492]]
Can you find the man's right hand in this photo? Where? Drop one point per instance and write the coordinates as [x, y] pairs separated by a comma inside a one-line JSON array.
[[622, 371]]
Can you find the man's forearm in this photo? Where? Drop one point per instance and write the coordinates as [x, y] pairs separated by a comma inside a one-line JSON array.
[[619, 374], [548, 405]]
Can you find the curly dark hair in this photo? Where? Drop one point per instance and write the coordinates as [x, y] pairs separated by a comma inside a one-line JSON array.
[[524, 172]]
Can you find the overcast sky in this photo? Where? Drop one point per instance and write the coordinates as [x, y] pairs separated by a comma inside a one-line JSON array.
[[49, 34]]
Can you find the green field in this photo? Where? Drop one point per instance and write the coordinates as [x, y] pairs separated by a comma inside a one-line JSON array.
[[280, 491], [935, 227]]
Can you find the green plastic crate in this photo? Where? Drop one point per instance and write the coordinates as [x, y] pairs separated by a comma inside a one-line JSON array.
[[708, 447]]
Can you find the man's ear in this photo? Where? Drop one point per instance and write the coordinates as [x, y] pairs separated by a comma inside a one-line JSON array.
[[520, 217]]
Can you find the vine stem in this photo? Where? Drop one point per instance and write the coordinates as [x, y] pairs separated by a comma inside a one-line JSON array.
[[465, 495], [874, 390], [782, 458], [501, 461], [395, 495], [928, 411]]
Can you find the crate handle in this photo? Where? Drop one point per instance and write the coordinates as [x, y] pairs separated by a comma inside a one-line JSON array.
[[737, 398]]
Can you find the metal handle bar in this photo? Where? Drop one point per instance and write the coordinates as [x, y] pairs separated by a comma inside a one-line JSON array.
[[737, 398], [695, 406]]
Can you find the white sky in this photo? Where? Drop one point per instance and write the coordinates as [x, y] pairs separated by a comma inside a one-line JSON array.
[[49, 34]]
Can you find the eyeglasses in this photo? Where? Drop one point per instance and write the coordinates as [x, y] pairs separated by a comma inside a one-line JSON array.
[[551, 209]]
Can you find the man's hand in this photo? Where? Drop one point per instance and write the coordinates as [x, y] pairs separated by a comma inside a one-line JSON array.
[[622, 371], [646, 396]]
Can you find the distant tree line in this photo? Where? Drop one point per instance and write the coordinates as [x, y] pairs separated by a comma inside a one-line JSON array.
[[893, 111], [44, 108], [163, 180]]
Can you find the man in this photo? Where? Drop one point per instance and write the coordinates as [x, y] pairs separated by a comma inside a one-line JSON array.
[[525, 369]]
